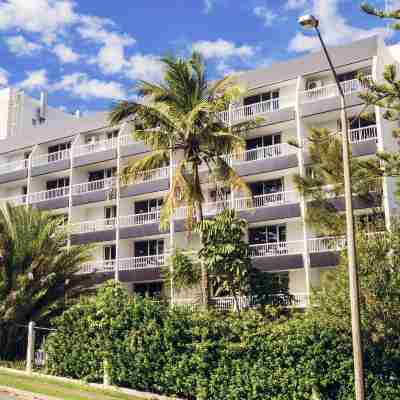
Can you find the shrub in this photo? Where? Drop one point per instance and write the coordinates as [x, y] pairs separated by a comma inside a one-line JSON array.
[[204, 355]]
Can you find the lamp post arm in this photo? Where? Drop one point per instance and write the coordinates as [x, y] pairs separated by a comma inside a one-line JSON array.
[[339, 86]]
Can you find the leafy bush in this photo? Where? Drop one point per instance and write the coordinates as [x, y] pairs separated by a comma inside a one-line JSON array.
[[149, 346]]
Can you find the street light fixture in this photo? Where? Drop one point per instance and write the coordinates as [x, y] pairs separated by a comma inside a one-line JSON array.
[[310, 22]]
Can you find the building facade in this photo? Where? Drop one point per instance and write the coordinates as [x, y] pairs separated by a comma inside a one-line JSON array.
[[69, 165]]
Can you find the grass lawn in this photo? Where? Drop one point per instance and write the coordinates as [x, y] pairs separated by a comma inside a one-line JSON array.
[[60, 390]]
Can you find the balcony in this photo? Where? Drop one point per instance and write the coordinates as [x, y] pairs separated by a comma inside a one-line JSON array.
[[94, 191], [13, 171], [331, 90], [363, 140], [134, 269], [97, 151], [295, 300], [129, 147], [14, 201], [154, 180], [54, 198], [51, 162], [326, 98], [254, 209], [278, 110]]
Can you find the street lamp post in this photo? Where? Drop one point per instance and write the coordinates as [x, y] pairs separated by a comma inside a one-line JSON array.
[[310, 22]]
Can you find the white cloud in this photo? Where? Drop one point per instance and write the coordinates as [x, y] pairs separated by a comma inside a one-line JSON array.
[[222, 49], [3, 77], [20, 46], [82, 86], [266, 14], [145, 67], [111, 56], [35, 79], [45, 17], [295, 4], [65, 53], [223, 69], [335, 28]]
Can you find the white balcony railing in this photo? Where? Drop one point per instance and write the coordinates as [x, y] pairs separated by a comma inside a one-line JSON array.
[[14, 201], [95, 147], [50, 158], [97, 266], [263, 153], [93, 186], [363, 134], [49, 194], [152, 175], [93, 226], [331, 90], [13, 166], [126, 140], [326, 244], [294, 300], [276, 249], [146, 262], [267, 200], [139, 219], [251, 111]]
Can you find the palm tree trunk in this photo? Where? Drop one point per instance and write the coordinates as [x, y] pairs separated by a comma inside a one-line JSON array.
[[205, 291]]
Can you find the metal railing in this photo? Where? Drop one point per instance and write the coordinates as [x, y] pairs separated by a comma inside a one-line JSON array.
[[93, 186], [139, 219], [50, 158], [267, 200], [97, 266], [146, 262], [326, 244], [363, 134], [49, 194], [13, 166], [126, 140], [93, 226], [152, 175], [276, 249], [263, 153], [15, 201], [95, 147], [331, 90], [242, 113]]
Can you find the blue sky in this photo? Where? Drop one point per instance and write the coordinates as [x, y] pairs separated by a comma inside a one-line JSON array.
[[89, 53]]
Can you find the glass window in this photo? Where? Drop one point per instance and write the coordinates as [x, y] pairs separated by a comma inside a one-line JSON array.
[[263, 141], [152, 289], [109, 252], [266, 187], [258, 98], [146, 248], [110, 212], [267, 234], [146, 206]]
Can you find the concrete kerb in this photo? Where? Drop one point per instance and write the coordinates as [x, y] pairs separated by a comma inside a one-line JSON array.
[[132, 392]]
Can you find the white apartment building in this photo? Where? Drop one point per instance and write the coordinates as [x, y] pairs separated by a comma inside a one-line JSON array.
[[68, 164]]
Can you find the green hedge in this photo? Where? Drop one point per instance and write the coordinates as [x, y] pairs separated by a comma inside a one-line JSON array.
[[205, 355]]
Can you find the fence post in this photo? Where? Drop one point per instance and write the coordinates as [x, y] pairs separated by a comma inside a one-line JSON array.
[[30, 353], [106, 373]]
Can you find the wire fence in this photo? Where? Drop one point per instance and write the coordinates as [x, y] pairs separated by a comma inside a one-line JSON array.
[[26, 350]]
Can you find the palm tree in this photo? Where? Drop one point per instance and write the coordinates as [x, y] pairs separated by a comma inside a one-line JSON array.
[[37, 273], [181, 116]]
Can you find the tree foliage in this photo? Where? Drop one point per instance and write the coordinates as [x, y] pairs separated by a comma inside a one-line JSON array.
[[199, 355], [324, 182], [37, 272], [180, 116]]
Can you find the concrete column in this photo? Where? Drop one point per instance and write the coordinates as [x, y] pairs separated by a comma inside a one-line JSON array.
[[171, 227], [301, 135], [30, 352], [71, 175], [29, 177]]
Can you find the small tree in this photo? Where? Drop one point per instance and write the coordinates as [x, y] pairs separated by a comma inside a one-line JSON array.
[[325, 181], [225, 254], [38, 273]]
